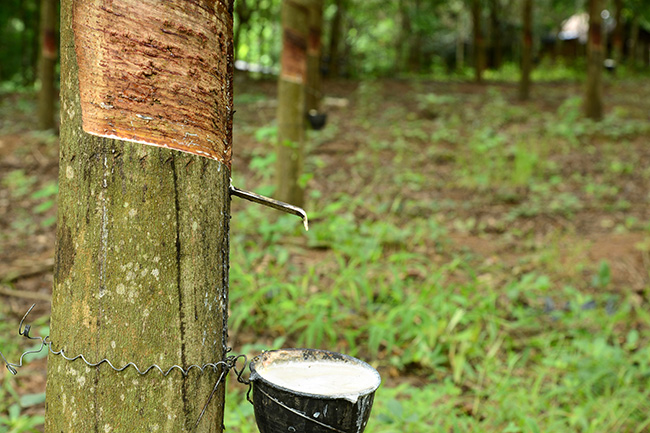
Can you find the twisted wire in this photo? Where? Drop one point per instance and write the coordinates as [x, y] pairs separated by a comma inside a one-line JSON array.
[[227, 363]]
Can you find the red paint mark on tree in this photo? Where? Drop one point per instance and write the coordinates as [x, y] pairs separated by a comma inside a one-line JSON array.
[[152, 72]]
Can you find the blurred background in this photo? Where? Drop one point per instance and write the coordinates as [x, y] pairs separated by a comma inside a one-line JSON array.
[[479, 199]]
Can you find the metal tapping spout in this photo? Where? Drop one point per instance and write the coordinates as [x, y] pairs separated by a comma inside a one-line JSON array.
[[275, 204]]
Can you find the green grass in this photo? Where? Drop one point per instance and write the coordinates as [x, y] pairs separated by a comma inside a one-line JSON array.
[[542, 342], [528, 334]]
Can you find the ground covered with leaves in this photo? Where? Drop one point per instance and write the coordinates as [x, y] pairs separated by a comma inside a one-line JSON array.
[[490, 257]]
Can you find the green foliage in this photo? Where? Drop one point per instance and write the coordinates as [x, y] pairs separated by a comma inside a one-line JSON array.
[[521, 339], [14, 422], [12, 404], [19, 34]]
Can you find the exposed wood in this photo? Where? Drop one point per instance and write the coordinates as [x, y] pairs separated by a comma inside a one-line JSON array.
[[162, 84], [141, 264]]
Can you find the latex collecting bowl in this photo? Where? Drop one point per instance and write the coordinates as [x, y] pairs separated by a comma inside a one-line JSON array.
[[312, 391]]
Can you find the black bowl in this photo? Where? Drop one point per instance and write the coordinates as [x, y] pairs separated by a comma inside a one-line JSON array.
[[280, 410], [317, 120]]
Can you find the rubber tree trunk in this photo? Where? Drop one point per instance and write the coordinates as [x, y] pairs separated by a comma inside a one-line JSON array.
[[314, 82], [401, 42], [633, 42], [46, 94], [496, 51], [414, 60], [526, 50], [617, 38], [291, 101], [335, 38], [594, 84], [460, 45], [479, 42], [141, 269]]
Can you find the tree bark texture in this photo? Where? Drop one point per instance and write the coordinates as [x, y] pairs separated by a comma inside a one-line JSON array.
[[479, 41], [291, 101], [496, 48], [141, 272], [526, 50], [414, 59], [47, 94], [617, 38], [314, 87], [335, 40], [633, 46], [594, 84]]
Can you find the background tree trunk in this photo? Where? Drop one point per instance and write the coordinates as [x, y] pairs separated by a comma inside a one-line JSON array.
[[414, 60], [594, 85], [314, 88], [291, 101], [335, 38], [617, 38], [496, 51], [46, 94], [141, 273], [633, 43], [479, 41], [460, 46], [526, 50], [405, 30]]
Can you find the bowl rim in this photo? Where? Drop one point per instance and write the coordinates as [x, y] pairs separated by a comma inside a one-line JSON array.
[[255, 375]]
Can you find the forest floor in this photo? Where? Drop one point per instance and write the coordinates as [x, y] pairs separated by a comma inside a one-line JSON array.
[[524, 200]]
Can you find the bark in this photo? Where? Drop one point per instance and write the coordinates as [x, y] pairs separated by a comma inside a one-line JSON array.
[[46, 94], [314, 85], [460, 47], [415, 47], [495, 33], [479, 42], [526, 50], [594, 85], [634, 42], [291, 101], [403, 35], [141, 270], [617, 37], [335, 40]]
